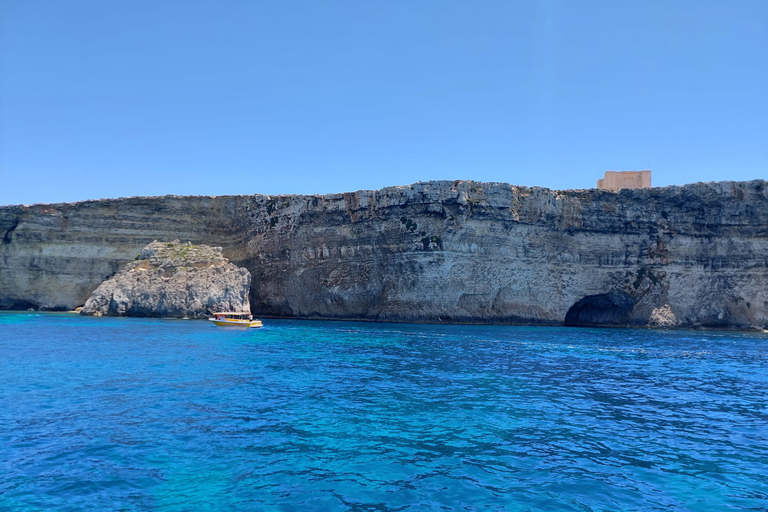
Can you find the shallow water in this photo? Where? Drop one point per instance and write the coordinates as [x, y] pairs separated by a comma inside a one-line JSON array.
[[143, 414]]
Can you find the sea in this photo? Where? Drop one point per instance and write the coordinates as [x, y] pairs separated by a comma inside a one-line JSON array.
[[135, 414]]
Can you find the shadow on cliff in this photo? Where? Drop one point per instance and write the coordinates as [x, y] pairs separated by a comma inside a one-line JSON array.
[[604, 310]]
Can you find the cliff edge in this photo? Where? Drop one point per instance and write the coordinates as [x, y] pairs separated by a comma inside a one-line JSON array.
[[173, 280]]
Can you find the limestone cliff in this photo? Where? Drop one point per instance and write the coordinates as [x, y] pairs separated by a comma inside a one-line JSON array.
[[446, 251], [53, 256], [173, 280]]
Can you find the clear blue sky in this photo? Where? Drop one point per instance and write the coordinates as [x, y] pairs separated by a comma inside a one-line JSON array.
[[120, 98]]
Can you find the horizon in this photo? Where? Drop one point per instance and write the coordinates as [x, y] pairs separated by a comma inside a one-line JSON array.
[[145, 99]]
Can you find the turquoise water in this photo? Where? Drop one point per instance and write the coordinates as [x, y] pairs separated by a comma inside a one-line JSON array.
[[144, 414]]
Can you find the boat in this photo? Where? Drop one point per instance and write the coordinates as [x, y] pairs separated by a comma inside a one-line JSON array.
[[232, 319]]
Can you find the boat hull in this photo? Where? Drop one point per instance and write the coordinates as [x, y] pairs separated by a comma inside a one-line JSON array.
[[237, 323]]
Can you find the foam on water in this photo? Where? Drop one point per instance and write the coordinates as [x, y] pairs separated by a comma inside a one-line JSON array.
[[143, 414]]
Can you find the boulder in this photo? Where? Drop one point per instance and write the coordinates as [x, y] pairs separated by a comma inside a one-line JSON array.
[[173, 280]]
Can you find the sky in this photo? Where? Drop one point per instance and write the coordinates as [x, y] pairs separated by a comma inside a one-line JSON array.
[[145, 97]]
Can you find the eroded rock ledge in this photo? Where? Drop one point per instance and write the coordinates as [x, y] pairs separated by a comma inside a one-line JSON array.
[[173, 280]]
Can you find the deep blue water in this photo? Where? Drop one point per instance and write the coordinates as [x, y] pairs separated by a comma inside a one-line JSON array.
[[142, 414]]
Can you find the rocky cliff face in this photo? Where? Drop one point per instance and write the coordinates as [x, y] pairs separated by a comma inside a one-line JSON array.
[[173, 280], [53, 256], [443, 251]]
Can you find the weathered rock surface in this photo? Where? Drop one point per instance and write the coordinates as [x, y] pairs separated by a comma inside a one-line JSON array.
[[446, 251], [173, 280], [663, 317]]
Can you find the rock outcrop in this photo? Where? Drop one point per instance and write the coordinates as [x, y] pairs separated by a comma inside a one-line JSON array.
[[173, 280], [445, 251]]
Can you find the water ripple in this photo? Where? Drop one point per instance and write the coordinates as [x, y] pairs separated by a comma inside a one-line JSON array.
[[136, 414]]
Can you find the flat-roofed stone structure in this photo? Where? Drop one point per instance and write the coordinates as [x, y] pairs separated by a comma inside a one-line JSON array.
[[614, 180]]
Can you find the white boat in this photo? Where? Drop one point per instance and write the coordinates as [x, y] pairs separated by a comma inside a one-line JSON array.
[[232, 319]]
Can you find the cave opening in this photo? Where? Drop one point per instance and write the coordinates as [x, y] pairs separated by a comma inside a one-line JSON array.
[[605, 309], [18, 305]]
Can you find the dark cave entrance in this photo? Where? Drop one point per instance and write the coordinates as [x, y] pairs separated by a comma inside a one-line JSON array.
[[18, 305], [603, 310]]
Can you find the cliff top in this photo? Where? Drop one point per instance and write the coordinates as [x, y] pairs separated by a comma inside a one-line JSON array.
[[717, 186]]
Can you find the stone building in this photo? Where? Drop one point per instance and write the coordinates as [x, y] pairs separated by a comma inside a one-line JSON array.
[[614, 180]]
